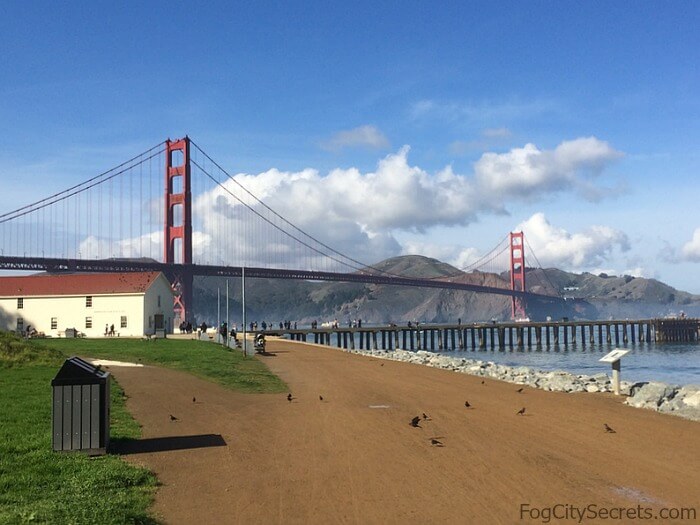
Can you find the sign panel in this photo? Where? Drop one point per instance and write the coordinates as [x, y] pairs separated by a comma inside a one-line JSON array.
[[613, 356]]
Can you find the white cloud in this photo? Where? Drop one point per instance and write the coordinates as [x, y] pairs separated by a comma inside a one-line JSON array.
[[146, 245], [362, 137], [528, 171], [571, 251], [361, 213], [457, 256], [638, 271], [691, 249]]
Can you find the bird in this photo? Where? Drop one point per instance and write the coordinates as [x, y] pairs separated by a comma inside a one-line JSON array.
[[466, 404], [519, 390], [289, 397], [425, 416], [436, 443], [414, 422], [194, 399], [521, 412], [320, 398], [382, 364], [483, 382], [173, 418], [608, 429]]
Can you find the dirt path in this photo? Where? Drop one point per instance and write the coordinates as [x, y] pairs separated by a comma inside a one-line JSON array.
[[354, 458]]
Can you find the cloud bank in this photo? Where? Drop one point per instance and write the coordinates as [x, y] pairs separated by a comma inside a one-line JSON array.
[[556, 247], [528, 171]]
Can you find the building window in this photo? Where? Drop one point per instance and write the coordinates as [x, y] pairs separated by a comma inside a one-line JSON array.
[[88, 322], [159, 301], [54, 323], [20, 303], [123, 323], [88, 301], [20, 324]]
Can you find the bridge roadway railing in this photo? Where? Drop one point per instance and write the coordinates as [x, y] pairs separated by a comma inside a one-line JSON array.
[[482, 336], [132, 265]]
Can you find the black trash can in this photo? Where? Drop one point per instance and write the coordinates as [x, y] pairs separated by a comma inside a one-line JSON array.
[[81, 408]]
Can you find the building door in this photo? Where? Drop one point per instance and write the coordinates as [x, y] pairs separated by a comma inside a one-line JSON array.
[[159, 322]]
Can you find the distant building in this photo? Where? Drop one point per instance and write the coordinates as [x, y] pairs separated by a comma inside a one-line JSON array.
[[134, 303]]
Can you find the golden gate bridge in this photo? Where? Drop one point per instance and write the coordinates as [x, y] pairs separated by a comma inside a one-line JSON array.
[[174, 209]]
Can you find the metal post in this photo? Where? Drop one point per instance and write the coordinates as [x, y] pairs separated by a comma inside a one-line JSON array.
[[616, 377], [245, 353]]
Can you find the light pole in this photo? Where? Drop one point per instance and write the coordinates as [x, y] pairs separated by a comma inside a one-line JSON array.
[[245, 353], [227, 317]]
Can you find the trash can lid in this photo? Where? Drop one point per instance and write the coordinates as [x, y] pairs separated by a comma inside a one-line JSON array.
[[76, 371]]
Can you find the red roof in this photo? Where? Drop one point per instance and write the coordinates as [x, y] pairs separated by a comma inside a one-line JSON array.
[[76, 284]]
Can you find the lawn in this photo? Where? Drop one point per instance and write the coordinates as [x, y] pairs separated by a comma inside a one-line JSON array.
[[203, 359], [38, 485]]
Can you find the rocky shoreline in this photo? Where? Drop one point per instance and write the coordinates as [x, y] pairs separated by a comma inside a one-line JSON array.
[[682, 401]]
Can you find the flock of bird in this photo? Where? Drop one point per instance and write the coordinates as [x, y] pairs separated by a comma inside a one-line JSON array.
[[434, 441]]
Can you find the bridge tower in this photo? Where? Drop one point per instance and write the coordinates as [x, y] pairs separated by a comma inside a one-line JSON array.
[[517, 272], [177, 234]]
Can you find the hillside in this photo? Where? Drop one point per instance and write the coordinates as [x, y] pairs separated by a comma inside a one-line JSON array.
[[587, 296]]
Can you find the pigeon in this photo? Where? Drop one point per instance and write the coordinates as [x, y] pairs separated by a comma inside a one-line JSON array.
[[519, 390], [320, 398], [414, 422], [289, 397], [466, 404], [483, 382], [173, 418], [382, 364], [608, 429], [194, 399], [521, 412], [436, 443], [425, 416]]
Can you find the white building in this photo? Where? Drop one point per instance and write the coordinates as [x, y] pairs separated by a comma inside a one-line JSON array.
[[134, 303]]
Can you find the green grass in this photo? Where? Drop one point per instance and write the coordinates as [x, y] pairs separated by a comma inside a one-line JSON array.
[[38, 485], [15, 351], [203, 359]]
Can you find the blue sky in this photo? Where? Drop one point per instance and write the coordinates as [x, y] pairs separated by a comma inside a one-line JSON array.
[[605, 94]]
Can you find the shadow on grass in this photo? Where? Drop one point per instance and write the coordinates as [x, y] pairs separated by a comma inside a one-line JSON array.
[[127, 446]]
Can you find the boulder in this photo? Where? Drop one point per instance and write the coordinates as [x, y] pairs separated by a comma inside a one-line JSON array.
[[651, 395]]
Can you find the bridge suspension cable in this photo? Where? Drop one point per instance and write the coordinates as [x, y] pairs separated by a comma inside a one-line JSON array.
[[546, 277], [83, 186], [330, 253]]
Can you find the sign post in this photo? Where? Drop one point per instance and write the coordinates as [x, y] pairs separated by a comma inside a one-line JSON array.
[[614, 358]]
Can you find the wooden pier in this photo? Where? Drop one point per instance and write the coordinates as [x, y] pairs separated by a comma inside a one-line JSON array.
[[500, 336]]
